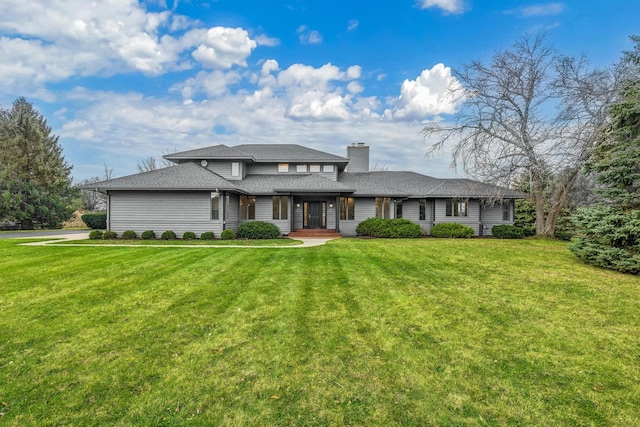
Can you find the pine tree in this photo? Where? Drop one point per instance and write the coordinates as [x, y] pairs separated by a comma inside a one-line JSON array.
[[35, 181], [611, 230]]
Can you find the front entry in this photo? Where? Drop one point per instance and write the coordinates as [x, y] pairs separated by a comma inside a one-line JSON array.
[[315, 214]]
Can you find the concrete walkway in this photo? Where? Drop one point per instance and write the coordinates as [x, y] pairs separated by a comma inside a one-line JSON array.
[[75, 235]]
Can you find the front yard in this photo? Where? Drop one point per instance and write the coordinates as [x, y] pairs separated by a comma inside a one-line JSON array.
[[357, 332]]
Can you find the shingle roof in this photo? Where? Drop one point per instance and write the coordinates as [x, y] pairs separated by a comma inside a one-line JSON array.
[[260, 184], [185, 176], [260, 153], [412, 184]]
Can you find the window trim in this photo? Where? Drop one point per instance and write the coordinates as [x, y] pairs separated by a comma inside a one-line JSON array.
[[215, 201], [283, 167], [422, 209], [314, 168], [236, 166], [453, 208], [301, 168], [506, 211], [246, 211], [398, 209], [383, 207], [347, 208], [328, 168], [280, 207]]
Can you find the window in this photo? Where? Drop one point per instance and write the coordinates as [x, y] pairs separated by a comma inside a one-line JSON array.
[[506, 211], [283, 167], [280, 207], [215, 206], [347, 208], [314, 168], [327, 168], [423, 209], [247, 207], [399, 209], [457, 207], [383, 207], [235, 168], [301, 168]]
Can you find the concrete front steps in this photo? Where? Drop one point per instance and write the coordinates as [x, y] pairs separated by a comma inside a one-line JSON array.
[[314, 233]]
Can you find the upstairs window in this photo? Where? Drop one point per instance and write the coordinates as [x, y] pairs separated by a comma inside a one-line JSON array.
[[235, 168], [383, 207], [280, 207], [457, 207], [327, 168], [283, 167], [506, 211], [301, 168], [314, 168], [347, 208], [247, 207], [423, 209]]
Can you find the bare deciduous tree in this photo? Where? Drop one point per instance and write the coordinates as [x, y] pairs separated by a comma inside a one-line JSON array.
[[531, 110], [93, 200], [152, 163]]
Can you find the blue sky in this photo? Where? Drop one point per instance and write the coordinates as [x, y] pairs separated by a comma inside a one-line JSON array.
[[120, 80]]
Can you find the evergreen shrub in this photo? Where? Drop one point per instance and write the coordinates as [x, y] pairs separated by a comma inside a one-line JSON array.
[[451, 230], [258, 230]]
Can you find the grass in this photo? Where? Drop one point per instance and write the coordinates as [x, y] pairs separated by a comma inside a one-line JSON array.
[[356, 332], [198, 242]]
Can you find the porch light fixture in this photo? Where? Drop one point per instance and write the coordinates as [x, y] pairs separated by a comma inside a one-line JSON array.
[[331, 205], [297, 205]]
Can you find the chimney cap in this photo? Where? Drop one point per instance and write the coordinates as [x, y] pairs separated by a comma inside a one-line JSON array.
[[360, 144]]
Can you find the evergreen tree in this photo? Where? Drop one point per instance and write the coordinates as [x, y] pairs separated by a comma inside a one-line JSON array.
[[611, 230], [35, 182]]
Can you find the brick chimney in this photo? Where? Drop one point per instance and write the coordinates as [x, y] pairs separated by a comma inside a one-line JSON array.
[[358, 155]]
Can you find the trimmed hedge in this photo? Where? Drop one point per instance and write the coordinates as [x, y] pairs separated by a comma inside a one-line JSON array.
[[189, 235], [507, 232], [97, 221], [148, 235], [451, 230], [108, 235], [129, 235], [207, 235], [168, 235], [389, 228], [227, 234], [258, 230], [95, 235]]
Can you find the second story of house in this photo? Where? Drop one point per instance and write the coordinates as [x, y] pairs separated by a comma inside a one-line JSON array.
[[235, 163]]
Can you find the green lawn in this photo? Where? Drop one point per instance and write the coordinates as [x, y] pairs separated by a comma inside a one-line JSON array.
[[356, 332]]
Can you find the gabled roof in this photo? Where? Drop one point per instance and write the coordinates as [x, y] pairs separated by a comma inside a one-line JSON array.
[[260, 184], [259, 153], [185, 176]]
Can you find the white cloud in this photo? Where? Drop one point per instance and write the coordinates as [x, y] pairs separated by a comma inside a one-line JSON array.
[[450, 6], [213, 83], [308, 36], [225, 47], [352, 25], [354, 87], [430, 94], [264, 40], [542, 9]]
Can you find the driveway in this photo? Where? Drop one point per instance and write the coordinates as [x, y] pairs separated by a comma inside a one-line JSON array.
[[63, 234]]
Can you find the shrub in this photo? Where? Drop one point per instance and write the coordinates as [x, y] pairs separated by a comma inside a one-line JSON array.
[[390, 228], [189, 235], [148, 235], [507, 232], [108, 235], [451, 230], [168, 235], [208, 235], [228, 234], [565, 235], [95, 235], [258, 230], [129, 235], [97, 221]]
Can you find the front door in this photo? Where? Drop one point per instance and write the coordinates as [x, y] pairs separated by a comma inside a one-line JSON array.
[[315, 214]]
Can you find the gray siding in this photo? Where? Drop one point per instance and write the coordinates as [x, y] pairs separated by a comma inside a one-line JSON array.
[[364, 207], [411, 211], [264, 212], [233, 215], [492, 215], [272, 169], [160, 211], [472, 219]]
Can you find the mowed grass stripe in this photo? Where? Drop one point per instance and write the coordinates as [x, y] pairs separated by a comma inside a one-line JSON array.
[[357, 332]]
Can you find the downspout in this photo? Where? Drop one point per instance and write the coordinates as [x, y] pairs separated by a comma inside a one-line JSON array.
[[108, 211], [481, 226], [292, 212], [223, 203], [337, 205]]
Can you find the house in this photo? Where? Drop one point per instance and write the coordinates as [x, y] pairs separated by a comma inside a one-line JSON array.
[[295, 188]]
